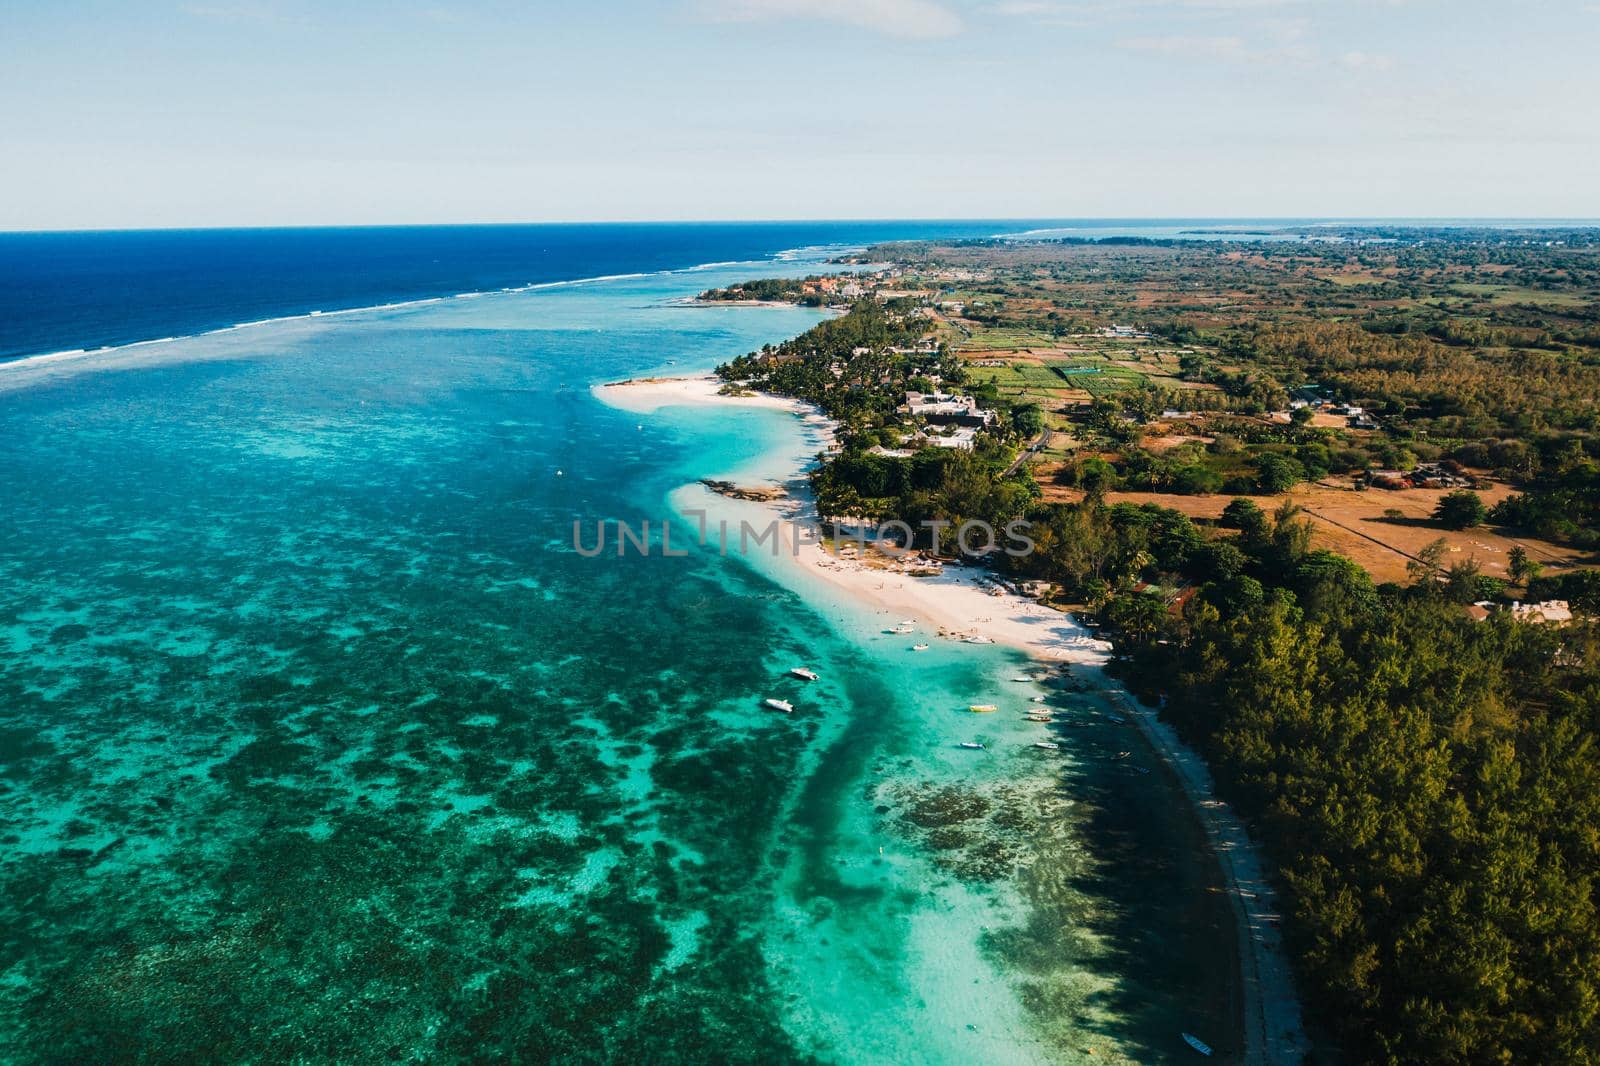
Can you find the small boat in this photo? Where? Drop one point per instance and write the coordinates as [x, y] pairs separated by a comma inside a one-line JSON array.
[[908, 622], [983, 708], [779, 705], [1121, 755], [1040, 699], [1114, 718], [1040, 718], [803, 674], [980, 640], [919, 647], [1024, 680], [1198, 1044], [1047, 745], [971, 745]]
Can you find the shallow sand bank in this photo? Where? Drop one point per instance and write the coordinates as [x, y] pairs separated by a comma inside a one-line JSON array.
[[645, 395]]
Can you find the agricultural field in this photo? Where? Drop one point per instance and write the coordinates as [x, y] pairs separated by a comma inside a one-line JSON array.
[[995, 340], [1380, 531], [1100, 380]]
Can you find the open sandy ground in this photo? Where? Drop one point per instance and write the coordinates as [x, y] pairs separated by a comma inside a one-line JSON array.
[[1354, 525]]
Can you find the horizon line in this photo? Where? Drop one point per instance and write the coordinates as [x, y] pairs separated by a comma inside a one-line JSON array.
[[1090, 219]]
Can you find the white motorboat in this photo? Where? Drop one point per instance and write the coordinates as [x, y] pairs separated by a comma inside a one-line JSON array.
[[779, 705], [803, 674]]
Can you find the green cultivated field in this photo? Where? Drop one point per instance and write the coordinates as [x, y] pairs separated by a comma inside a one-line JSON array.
[[995, 340], [1098, 381]]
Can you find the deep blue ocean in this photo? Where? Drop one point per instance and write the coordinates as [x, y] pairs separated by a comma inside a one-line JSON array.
[[65, 291]]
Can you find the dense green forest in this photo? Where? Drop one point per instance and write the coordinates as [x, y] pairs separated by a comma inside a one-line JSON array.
[[1429, 786], [794, 290]]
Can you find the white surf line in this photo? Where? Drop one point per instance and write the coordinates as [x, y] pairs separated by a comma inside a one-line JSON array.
[[74, 354]]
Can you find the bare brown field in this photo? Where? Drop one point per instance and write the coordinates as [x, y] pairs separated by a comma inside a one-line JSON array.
[[1353, 524], [1172, 440], [1319, 419]]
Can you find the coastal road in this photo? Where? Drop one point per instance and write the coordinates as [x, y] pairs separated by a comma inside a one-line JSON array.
[[1273, 1030], [1027, 453]]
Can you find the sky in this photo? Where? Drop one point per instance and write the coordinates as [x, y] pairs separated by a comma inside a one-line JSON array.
[[159, 113]]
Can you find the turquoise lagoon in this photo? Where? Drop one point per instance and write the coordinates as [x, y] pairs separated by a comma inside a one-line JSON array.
[[320, 742]]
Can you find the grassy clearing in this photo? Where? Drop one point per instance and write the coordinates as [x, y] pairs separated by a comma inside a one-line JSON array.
[[1509, 295]]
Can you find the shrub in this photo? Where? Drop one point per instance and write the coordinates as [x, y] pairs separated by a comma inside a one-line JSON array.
[[1461, 509]]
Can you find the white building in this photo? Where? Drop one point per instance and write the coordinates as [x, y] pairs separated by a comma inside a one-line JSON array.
[[1548, 611], [946, 407], [963, 438]]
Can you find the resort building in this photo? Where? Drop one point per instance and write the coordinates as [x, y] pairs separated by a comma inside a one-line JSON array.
[[963, 438], [941, 408], [1553, 612], [1549, 611]]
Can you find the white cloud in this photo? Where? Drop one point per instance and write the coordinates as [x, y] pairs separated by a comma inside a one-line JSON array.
[[918, 19], [1286, 44], [235, 11], [1023, 8], [1366, 61], [1115, 8], [1176, 45]]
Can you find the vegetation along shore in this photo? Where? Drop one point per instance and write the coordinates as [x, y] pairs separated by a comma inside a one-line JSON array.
[[1336, 505]]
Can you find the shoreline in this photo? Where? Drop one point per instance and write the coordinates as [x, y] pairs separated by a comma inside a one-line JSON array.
[[958, 603], [962, 603], [648, 395]]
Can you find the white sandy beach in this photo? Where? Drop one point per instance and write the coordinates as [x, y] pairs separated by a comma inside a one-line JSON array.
[[960, 603], [647, 395]]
